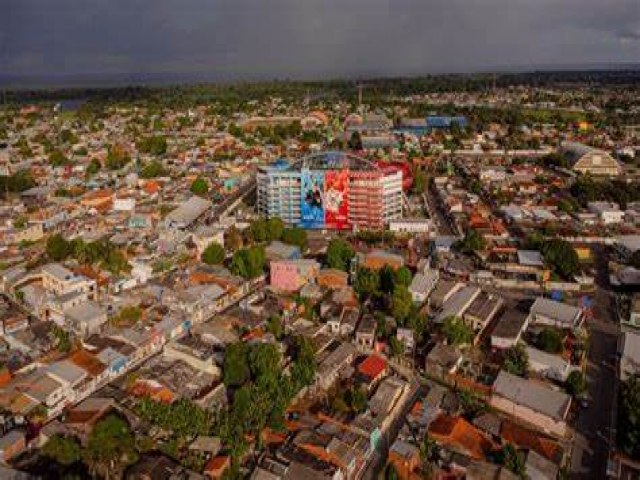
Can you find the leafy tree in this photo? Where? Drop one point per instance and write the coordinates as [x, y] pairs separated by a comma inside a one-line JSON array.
[[117, 157], [419, 181], [304, 367], [64, 450], [236, 365], [58, 159], [355, 141], [403, 276], [456, 331], [264, 360], [401, 303], [152, 170], [248, 262], [58, 248], [357, 399], [233, 239], [472, 405], [111, 447], [472, 241], [628, 431], [128, 315], [295, 236], [199, 187], [513, 460], [18, 182], [387, 279], [275, 228], [367, 282], [397, 347], [182, 417], [93, 167], [339, 254], [516, 360], [214, 254], [67, 136], [391, 473], [550, 340], [561, 256], [259, 230], [576, 383], [275, 326], [155, 145]]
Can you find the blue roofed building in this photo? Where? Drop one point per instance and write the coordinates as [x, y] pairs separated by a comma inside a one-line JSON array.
[[437, 122]]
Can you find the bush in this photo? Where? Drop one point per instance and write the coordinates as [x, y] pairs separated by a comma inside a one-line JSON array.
[[576, 383], [516, 360], [550, 340], [295, 236], [339, 254], [199, 187], [214, 254], [456, 331]]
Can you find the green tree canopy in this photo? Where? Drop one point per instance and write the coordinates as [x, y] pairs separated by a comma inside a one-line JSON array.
[[472, 241], [355, 141], [403, 276], [58, 248], [295, 236], [550, 340], [275, 326], [513, 460], [258, 230], [249, 262], [153, 169], [236, 365], [339, 254], [111, 446], [629, 417], [58, 159], [214, 254], [357, 398], [561, 257], [387, 279], [367, 282], [401, 303], [275, 228], [576, 383], [516, 360], [154, 145], [64, 450], [456, 331], [117, 157], [93, 167], [199, 187]]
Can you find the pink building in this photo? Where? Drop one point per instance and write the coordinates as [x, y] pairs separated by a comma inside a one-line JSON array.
[[291, 275]]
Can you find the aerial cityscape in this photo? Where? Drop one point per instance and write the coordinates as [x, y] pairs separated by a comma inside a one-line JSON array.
[[247, 265]]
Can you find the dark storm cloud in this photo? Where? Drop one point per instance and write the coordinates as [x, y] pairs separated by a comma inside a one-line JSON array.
[[297, 38]]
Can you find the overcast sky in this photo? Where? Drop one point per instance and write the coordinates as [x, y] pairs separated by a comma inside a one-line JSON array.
[[311, 38]]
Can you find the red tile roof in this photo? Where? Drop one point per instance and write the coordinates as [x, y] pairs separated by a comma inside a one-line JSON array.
[[462, 436], [373, 366]]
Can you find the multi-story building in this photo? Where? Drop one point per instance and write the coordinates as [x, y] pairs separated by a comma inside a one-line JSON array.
[[331, 190]]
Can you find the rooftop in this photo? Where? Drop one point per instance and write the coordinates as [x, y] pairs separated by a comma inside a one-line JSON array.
[[533, 395]]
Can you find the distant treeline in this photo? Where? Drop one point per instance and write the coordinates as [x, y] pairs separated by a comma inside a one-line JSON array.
[[344, 89]]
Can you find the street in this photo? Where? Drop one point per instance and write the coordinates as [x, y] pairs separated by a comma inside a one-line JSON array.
[[593, 432]]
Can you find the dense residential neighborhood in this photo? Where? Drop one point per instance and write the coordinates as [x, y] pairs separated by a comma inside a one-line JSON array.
[[430, 279]]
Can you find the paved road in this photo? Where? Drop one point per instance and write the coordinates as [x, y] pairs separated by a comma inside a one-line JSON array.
[[593, 426], [437, 214]]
